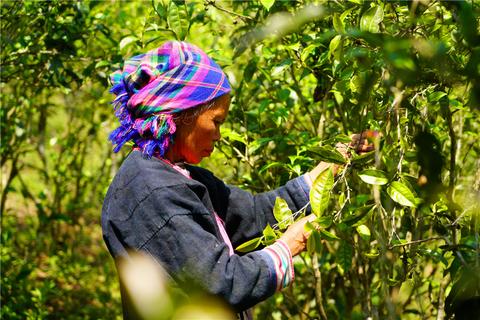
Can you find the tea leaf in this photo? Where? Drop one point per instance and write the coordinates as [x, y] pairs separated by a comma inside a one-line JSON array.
[[320, 192]]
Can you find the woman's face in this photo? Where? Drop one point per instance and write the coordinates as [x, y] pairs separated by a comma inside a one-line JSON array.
[[195, 138]]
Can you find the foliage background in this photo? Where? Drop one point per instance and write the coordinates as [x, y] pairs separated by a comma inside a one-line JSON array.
[[303, 76]]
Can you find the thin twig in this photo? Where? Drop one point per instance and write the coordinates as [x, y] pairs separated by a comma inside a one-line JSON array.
[[244, 18], [414, 242], [398, 97], [294, 302], [441, 298], [246, 159], [342, 177], [459, 217], [292, 216]]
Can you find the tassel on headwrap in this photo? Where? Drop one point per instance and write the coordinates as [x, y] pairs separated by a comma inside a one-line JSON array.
[[152, 87]]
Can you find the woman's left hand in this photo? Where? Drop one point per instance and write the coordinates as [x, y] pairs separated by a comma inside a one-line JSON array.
[[360, 143]]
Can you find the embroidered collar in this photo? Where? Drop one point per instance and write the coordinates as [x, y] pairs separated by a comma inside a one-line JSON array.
[[179, 166]]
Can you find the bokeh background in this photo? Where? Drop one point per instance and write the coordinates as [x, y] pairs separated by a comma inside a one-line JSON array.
[[400, 241]]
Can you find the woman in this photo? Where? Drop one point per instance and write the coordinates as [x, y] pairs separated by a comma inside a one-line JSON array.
[[171, 102]]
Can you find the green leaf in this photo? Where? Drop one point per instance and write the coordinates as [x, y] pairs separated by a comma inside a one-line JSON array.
[[277, 70], [338, 23], [328, 235], [178, 19], [371, 19], [364, 213], [231, 135], [161, 10], [341, 198], [267, 3], [404, 62], [61, 217], [283, 94], [307, 51], [309, 226], [436, 96], [364, 232], [249, 70], [127, 41], [320, 192], [333, 48], [249, 245], [356, 83], [338, 96], [342, 138], [372, 254], [269, 234], [329, 154], [373, 176], [436, 255], [101, 63], [402, 194], [258, 144], [324, 221], [393, 282], [363, 158], [282, 213], [271, 165], [345, 255], [314, 242]]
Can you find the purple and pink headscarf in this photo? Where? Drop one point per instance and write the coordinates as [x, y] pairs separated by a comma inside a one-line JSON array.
[[152, 87]]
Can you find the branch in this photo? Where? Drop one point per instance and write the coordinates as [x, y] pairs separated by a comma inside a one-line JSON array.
[[441, 298], [292, 216], [6, 188], [453, 153], [414, 242], [318, 286], [294, 303], [244, 18], [245, 159]]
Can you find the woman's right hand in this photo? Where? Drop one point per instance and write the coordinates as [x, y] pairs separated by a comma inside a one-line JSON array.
[[296, 235]]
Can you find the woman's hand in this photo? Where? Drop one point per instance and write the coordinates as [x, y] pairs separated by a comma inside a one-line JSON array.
[[295, 237], [360, 143]]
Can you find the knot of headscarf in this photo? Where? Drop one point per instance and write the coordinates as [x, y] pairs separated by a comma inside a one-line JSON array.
[[152, 87]]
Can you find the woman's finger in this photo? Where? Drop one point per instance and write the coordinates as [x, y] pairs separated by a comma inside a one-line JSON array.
[[365, 147], [367, 134], [354, 138]]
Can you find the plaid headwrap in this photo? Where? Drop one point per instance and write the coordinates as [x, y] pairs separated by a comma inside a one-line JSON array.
[[154, 86]]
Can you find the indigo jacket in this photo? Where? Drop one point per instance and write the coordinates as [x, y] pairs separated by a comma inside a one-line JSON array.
[[151, 207]]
